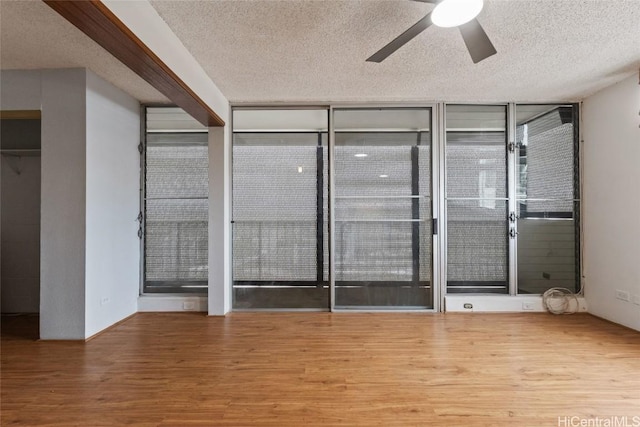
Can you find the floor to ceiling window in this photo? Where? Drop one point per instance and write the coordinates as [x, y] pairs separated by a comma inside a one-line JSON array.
[[512, 235], [339, 208], [382, 193], [477, 199], [175, 205], [280, 209], [547, 198]]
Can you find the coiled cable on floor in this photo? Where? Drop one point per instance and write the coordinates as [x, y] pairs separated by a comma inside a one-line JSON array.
[[558, 301]]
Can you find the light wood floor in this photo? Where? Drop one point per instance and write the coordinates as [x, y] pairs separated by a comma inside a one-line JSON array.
[[290, 369]]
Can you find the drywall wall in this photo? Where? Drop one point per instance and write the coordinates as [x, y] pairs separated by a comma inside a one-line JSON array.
[[20, 89], [20, 228], [63, 104], [219, 219], [112, 254], [611, 149], [89, 197], [60, 95]]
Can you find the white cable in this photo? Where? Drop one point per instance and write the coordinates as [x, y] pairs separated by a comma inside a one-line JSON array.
[[558, 301]]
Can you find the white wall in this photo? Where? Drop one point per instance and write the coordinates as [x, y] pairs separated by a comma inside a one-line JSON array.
[[220, 219], [611, 201], [21, 90], [113, 172], [89, 247], [62, 247]]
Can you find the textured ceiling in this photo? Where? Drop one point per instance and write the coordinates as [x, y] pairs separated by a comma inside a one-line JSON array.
[[315, 50], [32, 35], [298, 51]]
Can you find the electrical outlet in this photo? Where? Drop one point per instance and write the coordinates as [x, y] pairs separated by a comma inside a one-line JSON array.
[[623, 295], [105, 300], [636, 299], [468, 306], [189, 305], [529, 306]]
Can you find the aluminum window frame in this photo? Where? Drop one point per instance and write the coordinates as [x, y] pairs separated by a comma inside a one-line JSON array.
[[436, 194], [254, 107], [143, 211], [439, 247], [444, 198], [577, 189]]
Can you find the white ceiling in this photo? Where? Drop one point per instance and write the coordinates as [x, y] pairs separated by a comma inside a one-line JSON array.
[[32, 36], [262, 51], [315, 50]]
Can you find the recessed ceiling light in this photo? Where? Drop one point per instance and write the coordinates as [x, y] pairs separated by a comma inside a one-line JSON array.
[[452, 13], [299, 169], [360, 155], [384, 176]]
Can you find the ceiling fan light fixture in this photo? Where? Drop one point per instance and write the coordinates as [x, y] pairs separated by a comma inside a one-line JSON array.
[[453, 13]]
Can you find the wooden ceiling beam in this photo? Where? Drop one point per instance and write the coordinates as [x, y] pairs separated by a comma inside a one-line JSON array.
[[98, 22]]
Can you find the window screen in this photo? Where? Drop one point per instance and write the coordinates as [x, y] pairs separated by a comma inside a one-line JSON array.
[[477, 245], [546, 164], [274, 207]]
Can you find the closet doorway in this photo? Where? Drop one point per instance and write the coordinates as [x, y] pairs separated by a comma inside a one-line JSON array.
[[20, 212]]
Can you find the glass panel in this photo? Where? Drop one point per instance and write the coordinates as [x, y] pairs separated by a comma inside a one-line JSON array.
[[176, 245], [176, 203], [476, 173], [280, 210], [476, 152], [383, 208], [547, 182], [546, 254], [274, 209], [477, 246]]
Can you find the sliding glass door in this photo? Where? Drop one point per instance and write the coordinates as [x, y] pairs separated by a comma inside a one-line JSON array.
[[383, 208], [280, 209]]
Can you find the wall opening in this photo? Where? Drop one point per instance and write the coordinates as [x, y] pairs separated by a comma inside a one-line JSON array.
[[20, 213]]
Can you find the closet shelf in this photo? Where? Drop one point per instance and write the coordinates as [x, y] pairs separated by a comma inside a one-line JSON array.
[[20, 152]]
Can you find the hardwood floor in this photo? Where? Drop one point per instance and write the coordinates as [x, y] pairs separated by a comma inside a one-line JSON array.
[[293, 369]]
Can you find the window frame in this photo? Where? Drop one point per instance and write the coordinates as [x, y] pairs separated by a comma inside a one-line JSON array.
[[177, 287]]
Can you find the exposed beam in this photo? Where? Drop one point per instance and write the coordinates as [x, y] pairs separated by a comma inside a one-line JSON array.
[[100, 24]]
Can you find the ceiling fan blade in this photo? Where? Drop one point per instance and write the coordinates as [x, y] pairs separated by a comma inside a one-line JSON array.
[[477, 41], [401, 40]]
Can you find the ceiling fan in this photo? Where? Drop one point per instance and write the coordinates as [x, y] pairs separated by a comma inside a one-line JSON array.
[[447, 13]]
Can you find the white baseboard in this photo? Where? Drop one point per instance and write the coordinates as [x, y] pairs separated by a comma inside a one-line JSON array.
[[500, 303], [151, 303], [453, 303]]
